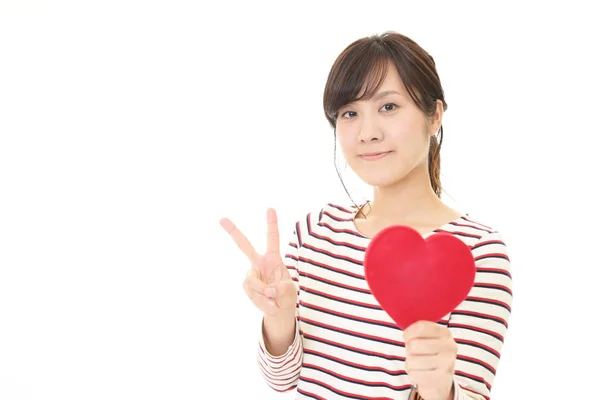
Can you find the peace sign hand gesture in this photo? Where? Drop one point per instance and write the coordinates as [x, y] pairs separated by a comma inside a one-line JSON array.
[[268, 283]]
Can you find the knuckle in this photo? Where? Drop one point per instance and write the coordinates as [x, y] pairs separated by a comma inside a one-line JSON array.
[[418, 328]]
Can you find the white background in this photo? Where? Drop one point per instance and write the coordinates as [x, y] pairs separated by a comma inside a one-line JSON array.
[[129, 128]]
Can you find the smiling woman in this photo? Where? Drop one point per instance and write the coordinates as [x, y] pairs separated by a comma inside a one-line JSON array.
[[324, 333]]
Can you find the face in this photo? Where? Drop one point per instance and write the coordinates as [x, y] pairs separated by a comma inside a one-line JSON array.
[[386, 138]]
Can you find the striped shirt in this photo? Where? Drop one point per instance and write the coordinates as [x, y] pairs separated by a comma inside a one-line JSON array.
[[346, 346]]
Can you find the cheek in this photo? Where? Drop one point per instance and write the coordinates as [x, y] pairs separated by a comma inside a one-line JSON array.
[[405, 129], [410, 141], [346, 142]]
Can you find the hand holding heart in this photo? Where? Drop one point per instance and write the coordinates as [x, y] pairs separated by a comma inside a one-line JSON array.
[[430, 358], [417, 282]]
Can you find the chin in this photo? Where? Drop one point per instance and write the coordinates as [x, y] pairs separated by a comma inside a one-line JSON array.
[[381, 179]]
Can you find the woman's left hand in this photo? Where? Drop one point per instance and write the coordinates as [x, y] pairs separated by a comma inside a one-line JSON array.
[[430, 358]]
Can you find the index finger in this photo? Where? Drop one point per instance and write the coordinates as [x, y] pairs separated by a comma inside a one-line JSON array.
[[423, 330], [242, 241], [272, 232]]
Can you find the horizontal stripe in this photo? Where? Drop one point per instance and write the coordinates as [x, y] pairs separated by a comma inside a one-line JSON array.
[[348, 316], [481, 315], [341, 230], [349, 347], [339, 392], [311, 395], [494, 334], [334, 283], [361, 382], [353, 364], [381, 339], [353, 349], [493, 286], [478, 345], [330, 268], [489, 301], [340, 299]]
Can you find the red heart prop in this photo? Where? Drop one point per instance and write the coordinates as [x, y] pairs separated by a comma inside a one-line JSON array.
[[416, 279]]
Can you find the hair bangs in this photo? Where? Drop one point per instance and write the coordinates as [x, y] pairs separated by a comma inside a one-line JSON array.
[[360, 74]]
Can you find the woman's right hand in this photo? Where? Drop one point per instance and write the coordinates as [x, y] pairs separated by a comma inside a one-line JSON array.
[[268, 283]]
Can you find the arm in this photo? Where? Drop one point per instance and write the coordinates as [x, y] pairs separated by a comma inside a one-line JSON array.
[[479, 324], [280, 347]]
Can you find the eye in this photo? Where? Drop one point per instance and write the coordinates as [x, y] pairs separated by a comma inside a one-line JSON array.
[[389, 107], [348, 114]]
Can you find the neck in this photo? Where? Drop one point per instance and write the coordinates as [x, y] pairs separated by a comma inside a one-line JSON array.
[[410, 199]]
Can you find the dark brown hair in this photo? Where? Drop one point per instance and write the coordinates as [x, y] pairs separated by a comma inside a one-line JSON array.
[[365, 63]]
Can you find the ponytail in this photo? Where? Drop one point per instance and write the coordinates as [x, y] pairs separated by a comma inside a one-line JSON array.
[[435, 162]]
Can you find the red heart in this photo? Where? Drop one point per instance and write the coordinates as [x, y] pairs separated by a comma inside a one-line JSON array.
[[416, 279]]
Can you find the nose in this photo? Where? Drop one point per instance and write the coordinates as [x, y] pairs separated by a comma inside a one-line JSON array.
[[369, 131]]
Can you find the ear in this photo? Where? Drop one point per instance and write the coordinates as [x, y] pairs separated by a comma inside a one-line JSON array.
[[435, 122]]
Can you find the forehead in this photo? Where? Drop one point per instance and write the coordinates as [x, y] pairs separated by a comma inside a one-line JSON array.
[[388, 80], [392, 78]]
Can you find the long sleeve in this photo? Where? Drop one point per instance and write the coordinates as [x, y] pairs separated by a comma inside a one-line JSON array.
[[281, 373], [479, 324]]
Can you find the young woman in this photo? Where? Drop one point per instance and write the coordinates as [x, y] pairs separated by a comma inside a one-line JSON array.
[[323, 332]]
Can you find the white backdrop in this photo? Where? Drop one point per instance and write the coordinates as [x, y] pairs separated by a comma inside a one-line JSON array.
[[129, 128]]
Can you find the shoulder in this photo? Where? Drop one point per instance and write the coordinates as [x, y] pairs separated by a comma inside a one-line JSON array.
[[473, 228], [336, 211], [328, 211], [475, 232], [477, 223], [487, 240], [333, 212], [328, 219]]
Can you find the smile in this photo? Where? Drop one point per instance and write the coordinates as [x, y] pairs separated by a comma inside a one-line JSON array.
[[374, 156]]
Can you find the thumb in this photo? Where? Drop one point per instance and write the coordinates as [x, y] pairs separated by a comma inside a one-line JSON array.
[[285, 293], [270, 266]]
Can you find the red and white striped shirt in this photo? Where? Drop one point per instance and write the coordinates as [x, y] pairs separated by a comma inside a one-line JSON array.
[[346, 346]]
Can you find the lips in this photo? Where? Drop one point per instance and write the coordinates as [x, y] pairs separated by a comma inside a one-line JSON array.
[[374, 156]]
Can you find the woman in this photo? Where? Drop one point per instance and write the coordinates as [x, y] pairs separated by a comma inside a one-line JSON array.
[[323, 332]]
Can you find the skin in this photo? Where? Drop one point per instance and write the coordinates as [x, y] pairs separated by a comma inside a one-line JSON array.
[[430, 358], [389, 122], [269, 286], [394, 123]]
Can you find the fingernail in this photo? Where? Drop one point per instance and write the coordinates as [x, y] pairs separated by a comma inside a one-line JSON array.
[[270, 292]]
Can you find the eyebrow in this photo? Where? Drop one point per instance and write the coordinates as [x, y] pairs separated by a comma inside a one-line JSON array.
[[379, 95]]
